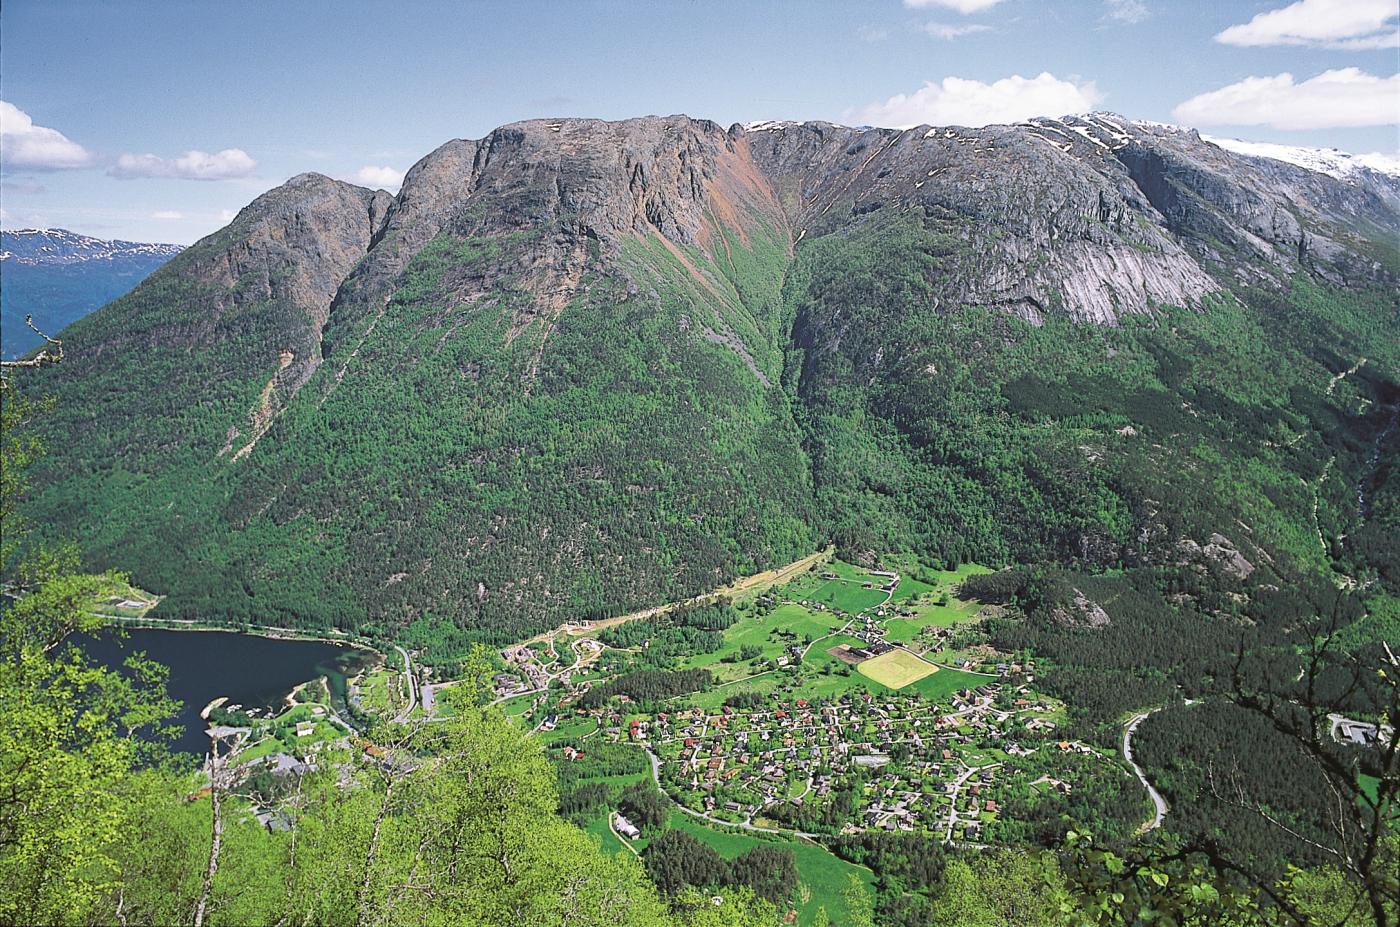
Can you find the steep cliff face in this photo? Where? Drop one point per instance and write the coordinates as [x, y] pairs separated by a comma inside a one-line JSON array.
[[1261, 220], [1093, 217], [578, 366], [569, 184]]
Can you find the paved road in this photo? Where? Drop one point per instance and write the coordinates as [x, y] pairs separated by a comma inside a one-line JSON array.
[[953, 797], [412, 688], [1157, 799], [656, 777]]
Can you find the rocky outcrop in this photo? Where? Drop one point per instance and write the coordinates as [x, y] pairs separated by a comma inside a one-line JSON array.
[[1219, 551], [293, 247], [1081, 612], [1094, 217], [296, 243], [567, 189]]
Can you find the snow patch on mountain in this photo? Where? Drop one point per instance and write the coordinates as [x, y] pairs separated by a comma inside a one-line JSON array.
[[1332, 161], [60, 246]]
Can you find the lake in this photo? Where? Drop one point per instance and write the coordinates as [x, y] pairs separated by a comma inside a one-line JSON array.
[[256, 672]]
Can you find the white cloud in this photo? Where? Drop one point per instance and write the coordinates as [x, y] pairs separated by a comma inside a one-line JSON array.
[[958, 101], [1127, 11], [1342, 98], [376, 178], [227, 215], [872, 34], [945, 31], [192, 165], [23, 187], [167, 214], [25, 145], [965, 7], [1345, 24]]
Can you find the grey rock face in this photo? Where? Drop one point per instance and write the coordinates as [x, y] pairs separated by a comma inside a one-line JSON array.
[[570, 182], [1093, 217], [297, 243]]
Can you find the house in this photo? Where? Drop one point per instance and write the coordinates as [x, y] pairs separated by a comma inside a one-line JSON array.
[[306, 728], [285, 764], [625, 827]]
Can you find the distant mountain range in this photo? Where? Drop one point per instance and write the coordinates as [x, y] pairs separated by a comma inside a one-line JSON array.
[[1333, 161], [60, 276]]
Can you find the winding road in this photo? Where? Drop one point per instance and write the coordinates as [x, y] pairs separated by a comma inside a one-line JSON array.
[[1156, 796], [780, 831]]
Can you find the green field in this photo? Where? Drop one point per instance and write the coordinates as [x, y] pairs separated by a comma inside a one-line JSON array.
[[822, 877], [570, 729], [379, 690], [113, 592], [896, 669], [516, 707], [942, 684], [846, 570], [924, 599], [765, 634], [849, 596], [813, 683]]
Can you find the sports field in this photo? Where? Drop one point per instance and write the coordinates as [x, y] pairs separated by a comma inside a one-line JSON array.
[[896, 669]]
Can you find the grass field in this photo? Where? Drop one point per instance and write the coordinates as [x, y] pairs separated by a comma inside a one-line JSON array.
[[822, 877], [114, 592], [570, 728], [380, 690], [942, 684], [935, 604], [896, 669], [765, 634], [516, 708], [937, 686], [849, 596]]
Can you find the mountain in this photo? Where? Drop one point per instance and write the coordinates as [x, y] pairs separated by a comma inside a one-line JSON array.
[[577, 367], [1333, 161], [59, 276]]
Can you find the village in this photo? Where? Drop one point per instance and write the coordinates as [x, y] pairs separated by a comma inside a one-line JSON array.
[[796, 742], [911, 765], [843, 701]]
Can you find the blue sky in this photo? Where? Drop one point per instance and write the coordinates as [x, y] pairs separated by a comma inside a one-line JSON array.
[[158, 120]]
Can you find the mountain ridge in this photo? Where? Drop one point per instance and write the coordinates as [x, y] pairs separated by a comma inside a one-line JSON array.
[[576, 365], [61, 246]]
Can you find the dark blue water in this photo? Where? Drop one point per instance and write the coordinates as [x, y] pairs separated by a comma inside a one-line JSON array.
[[256, 672]]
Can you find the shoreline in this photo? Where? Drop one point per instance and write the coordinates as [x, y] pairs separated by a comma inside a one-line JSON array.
[[292, 634]]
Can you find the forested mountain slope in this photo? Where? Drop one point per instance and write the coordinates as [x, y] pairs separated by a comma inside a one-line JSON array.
[[580, 366]]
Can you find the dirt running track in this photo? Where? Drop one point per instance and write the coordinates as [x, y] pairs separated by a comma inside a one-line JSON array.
[[738, 587]]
